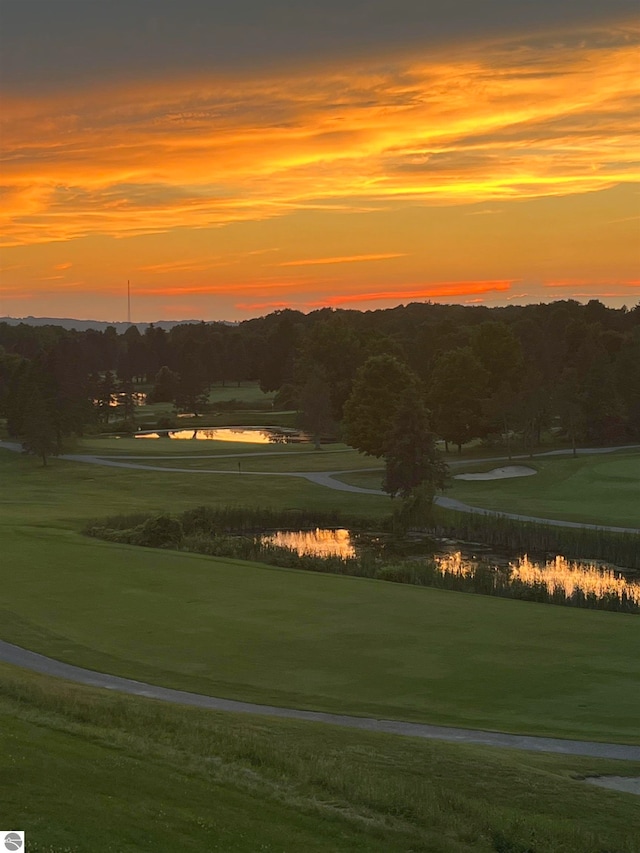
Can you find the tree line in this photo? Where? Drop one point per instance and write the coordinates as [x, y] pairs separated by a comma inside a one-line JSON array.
[[460, 372]]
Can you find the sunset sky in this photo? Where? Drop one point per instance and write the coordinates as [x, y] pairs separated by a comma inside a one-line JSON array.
[[233, 158]]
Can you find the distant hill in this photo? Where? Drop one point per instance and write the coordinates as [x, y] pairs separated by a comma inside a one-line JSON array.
[[99, 325]]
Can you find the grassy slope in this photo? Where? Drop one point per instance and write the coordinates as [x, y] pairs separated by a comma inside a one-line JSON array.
[[134, 775], [301, 639]]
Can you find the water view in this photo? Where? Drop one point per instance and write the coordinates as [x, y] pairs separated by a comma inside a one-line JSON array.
[[248, 435], [317, 543], [559, 577]]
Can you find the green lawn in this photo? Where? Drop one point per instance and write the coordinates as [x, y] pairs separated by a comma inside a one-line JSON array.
[[600, 489], [246, 392], [364, 479], [89, 771], [597, 489], [288, 637], [271, 462]]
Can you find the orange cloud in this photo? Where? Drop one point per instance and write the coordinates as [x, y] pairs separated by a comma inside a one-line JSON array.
[[513, 120], [432, 291]]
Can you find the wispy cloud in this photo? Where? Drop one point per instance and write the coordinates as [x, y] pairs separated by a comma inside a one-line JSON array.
[[171, 267], [347, 259], [513, 120], [436, 290]]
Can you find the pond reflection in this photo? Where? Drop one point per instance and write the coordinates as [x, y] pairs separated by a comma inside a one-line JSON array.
[[558, 576], [245, 435], [317, 543], [557, 580]]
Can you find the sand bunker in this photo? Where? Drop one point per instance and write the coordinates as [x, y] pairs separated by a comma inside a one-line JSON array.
[[499, 473]]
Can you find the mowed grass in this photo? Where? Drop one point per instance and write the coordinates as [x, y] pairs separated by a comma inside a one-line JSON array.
[[243, 630], [152, 447], [598, 489], [246, 392], [363, 479], [273, 462], [89, 771]]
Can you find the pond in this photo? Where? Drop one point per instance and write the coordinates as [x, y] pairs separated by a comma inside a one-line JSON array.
[[561, 579], [247, 435], [317, 543]]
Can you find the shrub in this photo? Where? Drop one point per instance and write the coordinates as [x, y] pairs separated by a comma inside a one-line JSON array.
[[161, 531]]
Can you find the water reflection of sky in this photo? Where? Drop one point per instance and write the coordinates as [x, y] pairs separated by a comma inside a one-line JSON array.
[[318, 543], [557, 575], [245, 436]]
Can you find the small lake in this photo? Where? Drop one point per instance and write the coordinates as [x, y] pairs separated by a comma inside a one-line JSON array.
[[245, 435], [559, 577]]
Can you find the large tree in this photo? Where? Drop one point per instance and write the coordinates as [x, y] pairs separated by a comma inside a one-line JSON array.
[[380, 386], [412, 460], [165, 386], [332, 349], [458, 386], [40, 434], [314, 415]]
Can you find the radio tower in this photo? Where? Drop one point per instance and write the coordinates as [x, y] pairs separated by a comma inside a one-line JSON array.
[[128, 302]]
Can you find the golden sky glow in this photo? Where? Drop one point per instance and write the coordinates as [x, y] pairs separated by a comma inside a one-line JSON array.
[[503, 171]]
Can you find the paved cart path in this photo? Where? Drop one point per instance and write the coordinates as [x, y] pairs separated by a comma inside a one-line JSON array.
[[328, 479], [48, 666], [18, 656]]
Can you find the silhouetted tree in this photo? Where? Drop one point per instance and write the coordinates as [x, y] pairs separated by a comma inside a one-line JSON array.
[[456, 392], [379, 387], [315, 415]]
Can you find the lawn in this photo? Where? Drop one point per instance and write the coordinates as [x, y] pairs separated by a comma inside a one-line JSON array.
[[246, 392], [91, 772], [599, 489], [270, 462], [287, 637]]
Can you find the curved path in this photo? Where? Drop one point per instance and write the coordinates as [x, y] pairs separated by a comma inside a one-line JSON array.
[[48, 666], [327, 479]]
